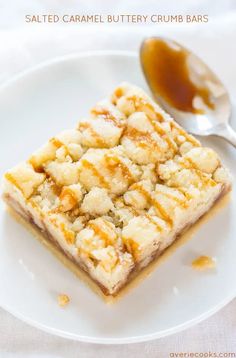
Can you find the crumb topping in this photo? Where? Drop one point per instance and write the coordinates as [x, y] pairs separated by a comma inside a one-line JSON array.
[[203, 263], [63, 300]]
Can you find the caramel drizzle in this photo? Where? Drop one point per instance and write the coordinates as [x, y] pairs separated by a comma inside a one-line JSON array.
[[56, 142], [133, 210], [152, 115], [12, 180], [126, 173], [104, 235], [116, 95], [143, 140], [56, 189], [70, 196], [154, 202], [159, 227], [135, 201], [99, 140], [69, 235], [140, 105], [181, 202], [105, 114], [39, 168], [182, 132], [201, 175], [86, 164], [118, 92], [185, 193], [162, 211], [131, 246], [161, 131], [143, 105]]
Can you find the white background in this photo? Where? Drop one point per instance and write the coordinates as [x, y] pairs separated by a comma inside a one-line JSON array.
[[12, 12], [22, 46]]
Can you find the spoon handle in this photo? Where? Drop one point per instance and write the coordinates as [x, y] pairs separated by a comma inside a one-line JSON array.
[[228, 133]]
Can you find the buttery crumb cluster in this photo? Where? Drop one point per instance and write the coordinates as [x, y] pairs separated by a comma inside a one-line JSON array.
[[119, 187]]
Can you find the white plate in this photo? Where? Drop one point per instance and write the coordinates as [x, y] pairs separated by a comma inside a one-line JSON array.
[[33, 107]]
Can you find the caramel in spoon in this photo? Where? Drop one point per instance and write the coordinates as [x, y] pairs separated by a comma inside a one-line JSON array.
[[167, 70]]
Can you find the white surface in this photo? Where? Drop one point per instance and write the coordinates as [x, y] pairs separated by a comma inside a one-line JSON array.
[[216, 334], [22, 48], [12, 16], [174, 296]]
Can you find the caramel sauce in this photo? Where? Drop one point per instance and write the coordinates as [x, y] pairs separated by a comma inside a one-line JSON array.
[[143, 140], [12, 180], [142, 191], [99, 140], [155, 203], [98, 231], [56, 142], [182, 132], [104, 113], [104, 235], [113, 162], [108, 268], [185, 193], [167, 71], [68, 196], [116, 95], [159, 130], [202, 176], [141, 105], [153, 117], [86, 164], [133, 211], [131, 246], [153, 222], [162, 211], [38, 169], [181, 202], [68, 234], [56, 189]]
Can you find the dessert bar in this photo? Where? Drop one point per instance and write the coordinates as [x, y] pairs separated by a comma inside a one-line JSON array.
[[114, 192]]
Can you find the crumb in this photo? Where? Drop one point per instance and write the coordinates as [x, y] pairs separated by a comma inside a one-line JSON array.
[[63, 300], [203, 263]]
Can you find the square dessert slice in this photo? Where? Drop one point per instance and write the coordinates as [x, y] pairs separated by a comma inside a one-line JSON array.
[[117, 190]]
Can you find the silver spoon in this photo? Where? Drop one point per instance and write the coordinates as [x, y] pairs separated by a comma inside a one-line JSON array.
[[213, 121]]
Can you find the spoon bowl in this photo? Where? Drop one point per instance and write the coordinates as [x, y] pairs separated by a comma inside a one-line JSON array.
[[187, 88]]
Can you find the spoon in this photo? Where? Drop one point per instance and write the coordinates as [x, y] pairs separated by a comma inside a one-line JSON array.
[[187, 88]]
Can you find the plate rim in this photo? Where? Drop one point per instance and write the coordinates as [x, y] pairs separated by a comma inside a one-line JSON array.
[[73, 336], [129, 340], [64, 58]]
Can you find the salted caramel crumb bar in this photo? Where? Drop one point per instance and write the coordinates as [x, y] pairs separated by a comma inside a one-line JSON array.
[[117, 190]]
